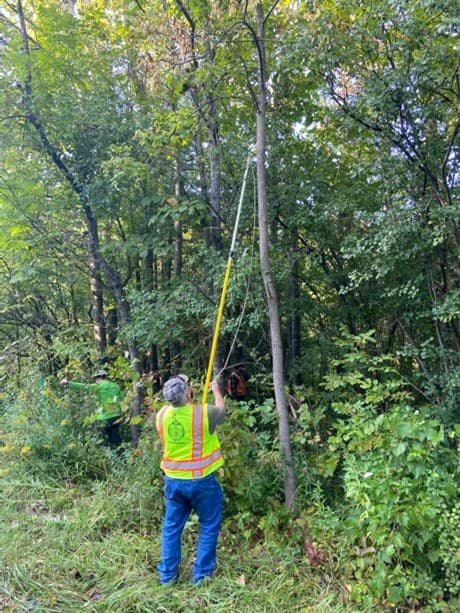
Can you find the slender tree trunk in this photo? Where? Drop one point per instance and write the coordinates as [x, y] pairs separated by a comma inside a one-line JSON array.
[[212, 234], [111, 325], [150, 284], [214, 193], [214, 174], [270, 288], [294, 321], [178, 253], [97, 299]]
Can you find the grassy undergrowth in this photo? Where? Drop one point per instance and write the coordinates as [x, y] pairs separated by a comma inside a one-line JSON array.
[[64, 548], [377, 498]]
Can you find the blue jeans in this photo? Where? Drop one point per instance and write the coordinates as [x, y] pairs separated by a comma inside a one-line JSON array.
[[205, 497]]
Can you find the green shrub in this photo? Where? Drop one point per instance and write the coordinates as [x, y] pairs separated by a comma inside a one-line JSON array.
[[252, 472], [43, 433], [399, 471], [449, 543]]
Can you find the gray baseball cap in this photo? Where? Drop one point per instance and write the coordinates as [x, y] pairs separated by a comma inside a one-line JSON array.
[[100, 374], [175, 388]]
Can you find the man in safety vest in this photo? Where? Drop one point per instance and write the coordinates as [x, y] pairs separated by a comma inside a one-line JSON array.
[[109, 398], [191, 455]]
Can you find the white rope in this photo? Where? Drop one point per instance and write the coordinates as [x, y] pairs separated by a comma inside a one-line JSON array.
[[248, 280]]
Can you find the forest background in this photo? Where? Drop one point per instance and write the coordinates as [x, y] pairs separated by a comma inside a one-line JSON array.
[[125, 132]]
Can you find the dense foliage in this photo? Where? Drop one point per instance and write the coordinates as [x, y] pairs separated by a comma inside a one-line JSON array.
[[125, 129]]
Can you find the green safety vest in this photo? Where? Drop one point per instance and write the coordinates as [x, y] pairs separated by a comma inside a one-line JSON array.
[[109, 397], [190, 451]]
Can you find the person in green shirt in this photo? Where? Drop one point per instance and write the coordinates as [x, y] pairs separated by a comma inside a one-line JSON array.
[[110, 399]]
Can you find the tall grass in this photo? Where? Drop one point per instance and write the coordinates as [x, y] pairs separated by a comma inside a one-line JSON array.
[[66, 548], [80, 525]]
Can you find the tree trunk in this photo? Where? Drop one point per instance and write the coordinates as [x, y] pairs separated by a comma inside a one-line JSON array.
[[294, 337], [214, 193], [214, 174], [269, 285], [150, 284], [97, 299], [178, 252]]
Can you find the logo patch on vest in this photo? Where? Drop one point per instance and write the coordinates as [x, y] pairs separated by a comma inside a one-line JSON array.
[[176, 431]]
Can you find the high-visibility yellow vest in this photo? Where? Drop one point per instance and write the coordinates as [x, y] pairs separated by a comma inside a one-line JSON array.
[[190, 451]]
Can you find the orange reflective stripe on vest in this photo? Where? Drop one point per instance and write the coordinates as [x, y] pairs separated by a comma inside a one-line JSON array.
[[193, 465], [197, 432]]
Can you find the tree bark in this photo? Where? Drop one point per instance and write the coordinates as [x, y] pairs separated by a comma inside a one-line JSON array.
[[267, 276], [294, 336], [97, 297], [178, 253], [150, 284]]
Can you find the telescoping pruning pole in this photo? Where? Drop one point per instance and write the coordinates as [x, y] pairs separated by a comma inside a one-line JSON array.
[[223, 294]]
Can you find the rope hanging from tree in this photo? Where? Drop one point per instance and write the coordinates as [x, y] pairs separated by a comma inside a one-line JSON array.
[[223, 295], [246, 296]]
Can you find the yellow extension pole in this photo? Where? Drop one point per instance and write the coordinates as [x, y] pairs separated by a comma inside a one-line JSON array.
[[215, 337], [223, 295]]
